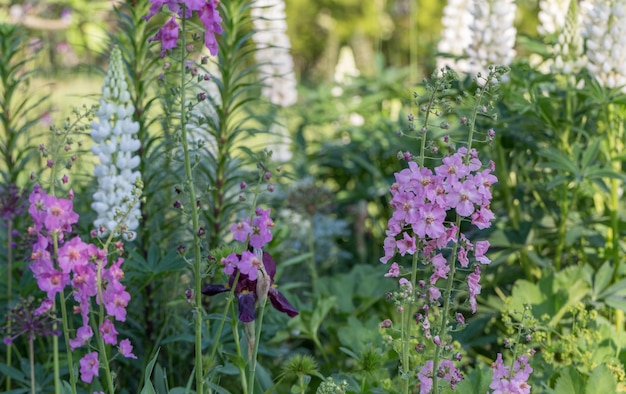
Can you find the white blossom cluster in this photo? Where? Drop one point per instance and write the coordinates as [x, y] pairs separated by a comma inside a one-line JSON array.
[[115, 144], [569, 56], [493, 35], [275, 63], [552, 14], [456, 35], [604, 26]]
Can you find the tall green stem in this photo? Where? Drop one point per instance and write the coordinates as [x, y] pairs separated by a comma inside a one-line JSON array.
[[31, 360], [312, 266], [64, 318], [446, 307], [197, 266], [257, 339], [9, 292]]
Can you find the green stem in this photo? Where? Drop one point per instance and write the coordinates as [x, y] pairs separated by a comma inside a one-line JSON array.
[[259, 323], [31, 359], [406, 329], [229, 302], [447, 296], [55, 358], [64, 318], [197, 267], [103, 351], [9, 292], [311, 260]]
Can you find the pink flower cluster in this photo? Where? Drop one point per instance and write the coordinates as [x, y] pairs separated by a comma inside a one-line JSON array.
[[446, 371], [207, 12], [512, 382], [80, 265], [421, 199], [258, 233]]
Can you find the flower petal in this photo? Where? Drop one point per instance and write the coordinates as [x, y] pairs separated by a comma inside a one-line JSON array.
[[211, 290], [246, 302], [279, 302]]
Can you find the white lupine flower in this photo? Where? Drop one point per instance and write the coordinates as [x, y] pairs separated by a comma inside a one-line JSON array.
[[493, 35], [604, 25], [456, 35], [568, 50], [114, 136], [275, 63], [552, 14], [346, 68]]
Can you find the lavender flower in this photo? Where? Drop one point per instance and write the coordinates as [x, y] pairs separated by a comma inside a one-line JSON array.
[[12, 202], [273, 58], [26, 319], [116, 200]]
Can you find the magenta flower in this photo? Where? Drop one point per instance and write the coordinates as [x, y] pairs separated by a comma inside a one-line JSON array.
[[126, 349], [241, 230], [474, 287], [83, 334], [394, 271], [480, 249], [109, 333], [71, 254], [206, 11], [406, 244], [246, 292], [89, 366], [512, 382], [168, 35], [261, 228]]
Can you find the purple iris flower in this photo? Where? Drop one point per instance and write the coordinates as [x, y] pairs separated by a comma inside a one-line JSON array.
[[246, 292]]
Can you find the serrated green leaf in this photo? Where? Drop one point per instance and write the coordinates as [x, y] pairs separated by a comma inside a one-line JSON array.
[[570, 382], [601, 381]]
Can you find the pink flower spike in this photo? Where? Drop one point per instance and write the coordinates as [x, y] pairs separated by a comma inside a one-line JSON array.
[[89, 366], [126, 349]]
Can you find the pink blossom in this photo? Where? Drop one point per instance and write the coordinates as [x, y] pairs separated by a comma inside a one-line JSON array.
[[389, 247], [126, 349], [59, 214], [109, 333], [230, 263], [394, 271], [462, 257], [83, 334], [72, 253], [249, 264], [45, 306], [168, 35], [261, 228], [474, 287], [406, 244], [434, 293], [505, 381], [89, 366], [441, 269], [425, 377], [430, 222], [241, 230], [480, 250], [482, 218]]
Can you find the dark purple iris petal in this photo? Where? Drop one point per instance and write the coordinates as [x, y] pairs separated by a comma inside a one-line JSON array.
[[246, 302], [279, 302], [214, 289], [270, 265]]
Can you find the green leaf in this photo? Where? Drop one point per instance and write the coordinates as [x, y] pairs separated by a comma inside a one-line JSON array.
[[570, 382], [148, 388], [601, 381], [14, 373], [602, 278]]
